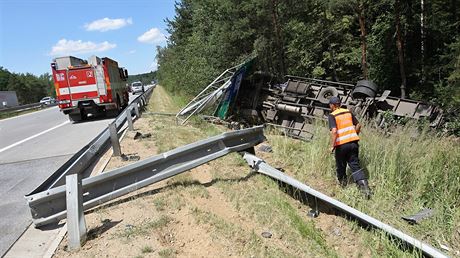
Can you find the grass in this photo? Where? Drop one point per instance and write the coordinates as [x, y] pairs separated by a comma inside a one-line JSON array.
[[406, 173], [147, 249], [167, 253], [145, 228]]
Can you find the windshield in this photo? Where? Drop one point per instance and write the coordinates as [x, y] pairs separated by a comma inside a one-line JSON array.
[[137, 84]]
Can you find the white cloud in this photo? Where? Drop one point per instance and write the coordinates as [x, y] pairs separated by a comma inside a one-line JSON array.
[[106, 24], [67, 47], [153, 35], [132, 51]]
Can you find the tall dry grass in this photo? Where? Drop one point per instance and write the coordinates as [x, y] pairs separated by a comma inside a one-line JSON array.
[[408, 172]]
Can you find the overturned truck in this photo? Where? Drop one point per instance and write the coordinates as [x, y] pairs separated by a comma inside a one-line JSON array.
[[293, 105]]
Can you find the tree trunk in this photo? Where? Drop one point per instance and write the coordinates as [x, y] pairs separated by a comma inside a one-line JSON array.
[[400, 47], [362, 28], [422, 41], [278, 40]]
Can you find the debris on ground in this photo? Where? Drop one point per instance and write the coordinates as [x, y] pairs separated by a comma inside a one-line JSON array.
[[267, 234], [139, 135], [265, 148], [416, 218], [130, 157]]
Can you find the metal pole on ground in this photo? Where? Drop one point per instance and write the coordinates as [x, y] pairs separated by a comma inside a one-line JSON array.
[[76, 224], [114, 139]]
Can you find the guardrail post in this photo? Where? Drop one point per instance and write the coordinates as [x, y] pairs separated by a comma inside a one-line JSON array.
[[130, 119], [76, 224], [136, 110], [114, 139]]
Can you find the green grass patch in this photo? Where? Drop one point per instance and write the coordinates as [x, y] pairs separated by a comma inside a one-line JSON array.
[[147, 249], [167, 253], [407, 172]]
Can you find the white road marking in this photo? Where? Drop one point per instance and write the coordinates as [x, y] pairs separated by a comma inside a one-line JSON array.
[[33, 136]]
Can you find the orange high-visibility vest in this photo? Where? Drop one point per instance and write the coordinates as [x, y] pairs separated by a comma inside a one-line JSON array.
[[346, 131]]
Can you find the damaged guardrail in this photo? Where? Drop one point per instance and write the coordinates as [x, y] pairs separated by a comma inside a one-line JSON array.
[[50, 206], [79, 162], [260, 166]]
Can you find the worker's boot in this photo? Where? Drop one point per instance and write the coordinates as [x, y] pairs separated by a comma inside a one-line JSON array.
[[364, 187], [343, 182]]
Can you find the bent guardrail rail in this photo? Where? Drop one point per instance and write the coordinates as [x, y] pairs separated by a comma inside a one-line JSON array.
[[50, 206], [260, 166], [79, 162]]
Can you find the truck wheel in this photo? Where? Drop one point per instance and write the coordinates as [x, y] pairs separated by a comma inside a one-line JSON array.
[[75, 117], [83, 114], [327, 93], [364, 89], [114, 112]]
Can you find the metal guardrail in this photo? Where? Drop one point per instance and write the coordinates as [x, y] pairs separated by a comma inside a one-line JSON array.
[[50, 206], [79, 162], [260, 166], [26, 107]]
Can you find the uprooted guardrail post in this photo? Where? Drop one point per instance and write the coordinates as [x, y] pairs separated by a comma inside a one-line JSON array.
[[262, 167], [76, 225], [50, 206]]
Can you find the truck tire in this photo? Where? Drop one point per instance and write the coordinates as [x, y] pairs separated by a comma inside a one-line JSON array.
[[75, 117], [364, 89], [83, 114], [326, 93], [115, 111]]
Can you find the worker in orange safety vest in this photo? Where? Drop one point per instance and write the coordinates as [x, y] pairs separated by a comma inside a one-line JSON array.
[[345, 129]]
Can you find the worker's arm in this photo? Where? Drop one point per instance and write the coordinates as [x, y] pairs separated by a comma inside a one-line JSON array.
[[358, 128], [333, 129], [333, 139], [356, 124]]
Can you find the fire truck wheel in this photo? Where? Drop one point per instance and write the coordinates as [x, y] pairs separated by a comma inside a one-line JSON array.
[[74, 117], [83, 114], [326, 93]]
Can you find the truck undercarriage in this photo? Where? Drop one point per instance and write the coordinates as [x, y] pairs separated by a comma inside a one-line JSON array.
[[293, 105]]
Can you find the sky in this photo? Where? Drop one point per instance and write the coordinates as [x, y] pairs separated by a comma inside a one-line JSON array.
[[33, 32]]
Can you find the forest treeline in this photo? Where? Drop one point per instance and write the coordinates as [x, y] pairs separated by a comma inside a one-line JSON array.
[[29, 88], [145, 78], [411, 47]]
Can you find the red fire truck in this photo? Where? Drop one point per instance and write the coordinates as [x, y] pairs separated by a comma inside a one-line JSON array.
[[94, 86]]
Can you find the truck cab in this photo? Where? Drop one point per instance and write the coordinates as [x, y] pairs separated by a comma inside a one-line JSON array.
[[92, 86]]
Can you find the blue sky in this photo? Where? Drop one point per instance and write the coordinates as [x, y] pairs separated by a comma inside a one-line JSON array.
[[32, 32]]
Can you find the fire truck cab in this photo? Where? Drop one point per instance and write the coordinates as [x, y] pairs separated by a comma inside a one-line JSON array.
[[92, 86]]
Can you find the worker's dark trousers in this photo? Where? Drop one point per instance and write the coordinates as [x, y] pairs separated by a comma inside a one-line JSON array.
[[348, 153]]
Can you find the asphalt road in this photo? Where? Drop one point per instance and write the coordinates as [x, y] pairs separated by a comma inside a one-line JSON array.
[[32, 147]]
